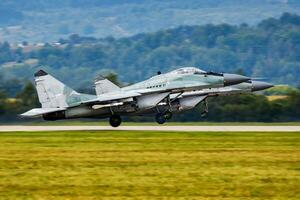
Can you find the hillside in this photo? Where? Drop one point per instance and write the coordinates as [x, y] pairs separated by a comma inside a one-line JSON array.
[[41, 21], [271, 50]]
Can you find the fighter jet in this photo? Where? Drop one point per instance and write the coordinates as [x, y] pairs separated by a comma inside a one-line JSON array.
[[59, 101]]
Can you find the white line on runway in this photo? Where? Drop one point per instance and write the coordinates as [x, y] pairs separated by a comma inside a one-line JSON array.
[[155, 128]]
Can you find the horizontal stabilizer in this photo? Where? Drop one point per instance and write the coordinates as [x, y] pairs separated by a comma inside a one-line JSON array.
[[36, 112]]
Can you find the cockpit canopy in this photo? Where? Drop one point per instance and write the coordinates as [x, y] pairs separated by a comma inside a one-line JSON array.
[[188, 70]]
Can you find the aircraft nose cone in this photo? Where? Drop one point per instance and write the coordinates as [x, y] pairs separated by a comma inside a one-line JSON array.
[[233, 79], [259, 85]]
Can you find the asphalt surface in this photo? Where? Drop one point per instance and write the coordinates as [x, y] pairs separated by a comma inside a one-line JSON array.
[[155, 128]]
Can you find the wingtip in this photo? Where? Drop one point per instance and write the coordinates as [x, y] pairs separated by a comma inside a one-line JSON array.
[[40, 73]]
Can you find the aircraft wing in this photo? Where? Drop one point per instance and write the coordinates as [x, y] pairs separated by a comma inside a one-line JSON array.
[[36, 112], [113, 96], [105, 100], [117, 96], [143, 100]]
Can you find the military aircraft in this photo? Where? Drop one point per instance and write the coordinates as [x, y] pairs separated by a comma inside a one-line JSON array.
[[161, 95]]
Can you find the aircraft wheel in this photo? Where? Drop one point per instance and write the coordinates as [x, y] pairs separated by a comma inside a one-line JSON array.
[[115, 120], [168, 115], [160, 118]]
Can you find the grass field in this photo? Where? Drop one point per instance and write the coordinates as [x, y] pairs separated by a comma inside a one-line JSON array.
[[149, 165]]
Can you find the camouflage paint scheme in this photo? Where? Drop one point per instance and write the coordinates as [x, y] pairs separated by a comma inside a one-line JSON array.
[[177, 90]]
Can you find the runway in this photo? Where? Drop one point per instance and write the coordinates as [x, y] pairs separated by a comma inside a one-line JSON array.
[[155, 128]]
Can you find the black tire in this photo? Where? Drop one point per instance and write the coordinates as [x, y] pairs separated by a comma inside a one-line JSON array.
[[115, 120], [160, 118], [168, 115]]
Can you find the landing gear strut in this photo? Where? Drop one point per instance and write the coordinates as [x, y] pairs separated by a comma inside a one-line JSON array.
[[115, 120], [205, 112]]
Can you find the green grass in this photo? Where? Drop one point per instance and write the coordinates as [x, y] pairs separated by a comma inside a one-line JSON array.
[[149, 165]]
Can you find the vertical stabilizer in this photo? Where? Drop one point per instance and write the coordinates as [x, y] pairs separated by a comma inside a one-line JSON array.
[[103, 85], [54, 94]]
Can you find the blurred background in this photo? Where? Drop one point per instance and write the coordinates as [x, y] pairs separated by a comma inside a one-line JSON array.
[[130, 40]]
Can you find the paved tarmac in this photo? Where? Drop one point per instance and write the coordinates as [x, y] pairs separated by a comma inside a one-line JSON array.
[[155, 128]]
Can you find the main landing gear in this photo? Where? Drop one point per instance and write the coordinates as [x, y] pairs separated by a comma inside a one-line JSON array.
[[161, 118], [115, 120], [205, 112]]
